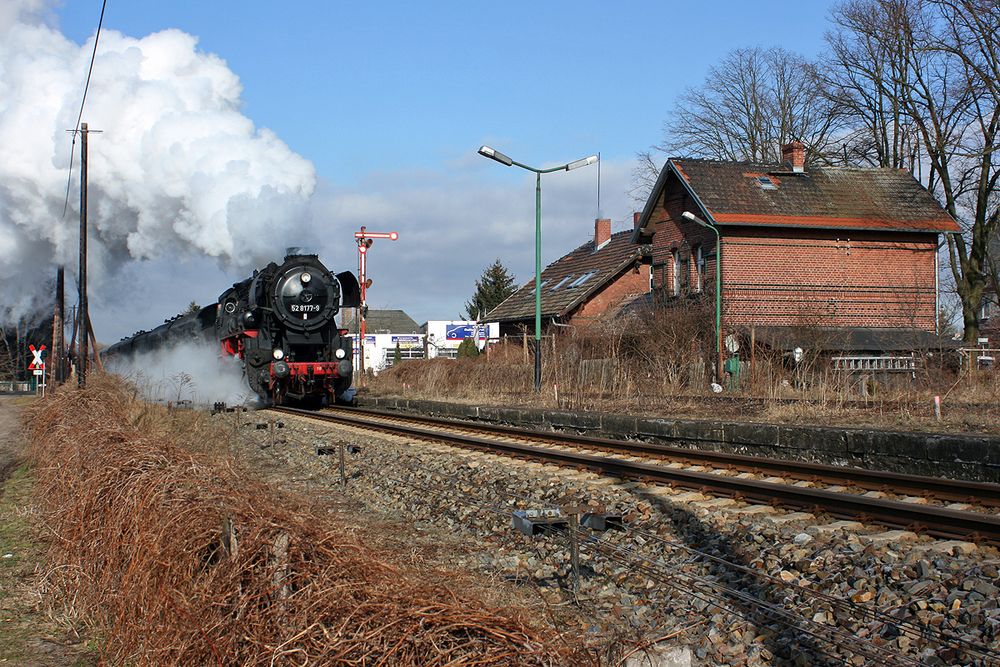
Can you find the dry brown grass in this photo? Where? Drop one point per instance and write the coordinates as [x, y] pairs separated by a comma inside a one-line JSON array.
[[137, 527], [662, 366]]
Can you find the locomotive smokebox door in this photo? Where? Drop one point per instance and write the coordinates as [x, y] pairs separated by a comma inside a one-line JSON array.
[[306, 298]]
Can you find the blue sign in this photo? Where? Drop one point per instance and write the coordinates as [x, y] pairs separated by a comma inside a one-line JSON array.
[[369, 340], [463, 331], [407, 341]]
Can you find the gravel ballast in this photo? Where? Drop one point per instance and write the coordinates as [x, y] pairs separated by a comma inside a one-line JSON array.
[[736, 584]]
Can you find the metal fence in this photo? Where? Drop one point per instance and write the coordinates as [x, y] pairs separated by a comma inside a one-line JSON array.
[[17, 387]]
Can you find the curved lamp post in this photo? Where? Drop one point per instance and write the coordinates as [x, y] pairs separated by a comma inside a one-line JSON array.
[[486, 151]]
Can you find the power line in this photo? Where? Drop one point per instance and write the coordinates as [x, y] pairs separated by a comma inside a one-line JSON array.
[[79, 117]]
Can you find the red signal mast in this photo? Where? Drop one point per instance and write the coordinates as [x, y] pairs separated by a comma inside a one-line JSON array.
[[365, 239]]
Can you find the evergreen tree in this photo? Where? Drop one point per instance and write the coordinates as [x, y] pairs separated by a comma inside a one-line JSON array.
[[467, 349], [495, 285], [397, 356]]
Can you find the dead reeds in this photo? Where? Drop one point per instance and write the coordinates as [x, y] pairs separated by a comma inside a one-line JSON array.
[[177, 558]]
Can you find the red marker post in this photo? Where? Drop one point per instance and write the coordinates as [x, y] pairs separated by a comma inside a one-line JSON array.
[[365, 239]]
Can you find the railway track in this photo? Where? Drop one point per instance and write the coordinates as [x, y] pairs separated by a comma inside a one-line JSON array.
[[626, 459]]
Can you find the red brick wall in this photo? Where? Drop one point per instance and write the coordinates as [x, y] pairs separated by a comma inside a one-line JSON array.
[[633, 281], [828, 278], [675, 234], [801, 277]]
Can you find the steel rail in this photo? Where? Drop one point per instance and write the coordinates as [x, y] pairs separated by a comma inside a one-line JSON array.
[[936, 521], [982, 493]]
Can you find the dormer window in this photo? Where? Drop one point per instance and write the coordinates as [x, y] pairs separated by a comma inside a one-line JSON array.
[[766, 183]]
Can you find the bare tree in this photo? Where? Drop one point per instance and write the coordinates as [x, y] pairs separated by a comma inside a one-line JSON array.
[[864, 77], [935, 68], [750, 104]]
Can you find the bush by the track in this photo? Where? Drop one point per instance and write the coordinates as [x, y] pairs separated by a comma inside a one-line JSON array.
[[136, 525]]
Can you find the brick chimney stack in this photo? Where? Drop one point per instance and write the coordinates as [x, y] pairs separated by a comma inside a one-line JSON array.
[[636, 216], [602, 231], [794, 154]]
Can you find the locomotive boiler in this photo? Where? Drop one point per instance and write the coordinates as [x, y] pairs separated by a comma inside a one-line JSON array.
[[281, 323]]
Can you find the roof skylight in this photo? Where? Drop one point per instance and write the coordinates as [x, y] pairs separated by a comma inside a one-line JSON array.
[[561, 282], [544, 283], [582, 279], [766, 183]]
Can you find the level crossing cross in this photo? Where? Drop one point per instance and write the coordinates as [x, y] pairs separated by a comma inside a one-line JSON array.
[[36, 362]]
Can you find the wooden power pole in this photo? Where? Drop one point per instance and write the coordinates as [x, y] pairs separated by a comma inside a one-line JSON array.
[[58, 320], [82, 317]]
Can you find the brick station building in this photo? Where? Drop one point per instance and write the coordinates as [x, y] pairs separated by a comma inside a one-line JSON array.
[[849, 252], [581, 287]]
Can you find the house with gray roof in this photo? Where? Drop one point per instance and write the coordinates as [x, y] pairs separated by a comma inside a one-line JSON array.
[[581, 287]]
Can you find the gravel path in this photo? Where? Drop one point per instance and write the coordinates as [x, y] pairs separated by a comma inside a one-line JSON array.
[[28, 635], [738, 584]]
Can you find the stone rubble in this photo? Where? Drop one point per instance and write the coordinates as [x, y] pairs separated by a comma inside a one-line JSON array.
[[646, 582]]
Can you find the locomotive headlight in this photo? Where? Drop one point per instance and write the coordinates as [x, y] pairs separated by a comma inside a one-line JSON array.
[[340, 353], [306, 277], [278, 354]]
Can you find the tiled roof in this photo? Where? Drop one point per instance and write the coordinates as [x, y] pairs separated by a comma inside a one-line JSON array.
[[765, 194], [383, 321], [564, 285]]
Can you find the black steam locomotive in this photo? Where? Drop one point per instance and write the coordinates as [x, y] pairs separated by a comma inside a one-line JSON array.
[[281, 323]]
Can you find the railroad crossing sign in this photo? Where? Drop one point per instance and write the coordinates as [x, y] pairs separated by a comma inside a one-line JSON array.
[[37, 367], [36, 363]]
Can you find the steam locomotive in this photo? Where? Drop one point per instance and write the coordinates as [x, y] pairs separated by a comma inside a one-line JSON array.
[[281, 323]]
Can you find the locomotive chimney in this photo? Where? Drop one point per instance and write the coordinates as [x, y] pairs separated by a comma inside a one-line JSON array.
[[602, 232]]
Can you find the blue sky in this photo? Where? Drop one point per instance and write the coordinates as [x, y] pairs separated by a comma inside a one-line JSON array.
[[390, 100]]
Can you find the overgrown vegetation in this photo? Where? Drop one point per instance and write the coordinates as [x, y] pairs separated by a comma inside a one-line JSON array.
[[182, 559], [663, 363]]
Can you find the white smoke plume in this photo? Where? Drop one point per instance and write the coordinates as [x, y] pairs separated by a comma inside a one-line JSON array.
[[186, 372], [177, 170]]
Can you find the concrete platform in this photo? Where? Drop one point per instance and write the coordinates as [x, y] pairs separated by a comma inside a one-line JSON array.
[[953, 455]]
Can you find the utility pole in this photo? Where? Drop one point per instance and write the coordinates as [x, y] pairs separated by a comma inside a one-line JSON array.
[[84, 321], [58, 319]]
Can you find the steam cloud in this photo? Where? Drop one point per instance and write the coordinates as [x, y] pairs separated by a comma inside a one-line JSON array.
[[178, 170], [186, 372]]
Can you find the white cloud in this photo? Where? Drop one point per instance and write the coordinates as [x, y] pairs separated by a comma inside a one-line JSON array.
[[452, 224], [178, 170]]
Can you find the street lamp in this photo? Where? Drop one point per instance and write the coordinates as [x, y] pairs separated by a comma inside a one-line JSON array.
[[691, 217], [493, 154]]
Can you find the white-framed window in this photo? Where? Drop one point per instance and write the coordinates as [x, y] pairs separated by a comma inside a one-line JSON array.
[[676, 273], [699, 268]]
